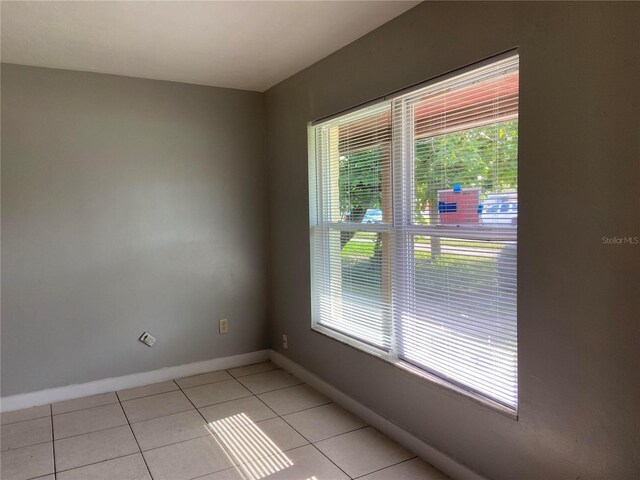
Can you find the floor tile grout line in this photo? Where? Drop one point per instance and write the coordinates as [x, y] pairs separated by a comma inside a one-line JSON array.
[[26, 446], [220, 403], [162, 416], [38, 443], [144, 396], [27, 420], [230, 377], [92, 431], [194, 405], [135, 438], [159, 416], [234, 400], [175, 443], [41, 476], [344, 433], [388, 466], [265, 404], [251, 374], [312, 444], [331, 461], [84, 408], [258, 373], [219, 471], [95, 463], [308, 408], [98, 462], [275, 389], [53, 443], [148, 396]]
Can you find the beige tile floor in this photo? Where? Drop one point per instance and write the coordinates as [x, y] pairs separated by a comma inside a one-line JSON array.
[[249, 423]]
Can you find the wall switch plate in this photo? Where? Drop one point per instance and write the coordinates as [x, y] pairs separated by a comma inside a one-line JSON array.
[[147, 339], [224, 326], [285, 342]]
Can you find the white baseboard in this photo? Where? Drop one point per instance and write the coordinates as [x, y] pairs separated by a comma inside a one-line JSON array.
[[435, 457], [69, 392]]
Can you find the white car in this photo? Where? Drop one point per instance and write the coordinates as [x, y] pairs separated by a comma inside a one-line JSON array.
[[372, 215], [500, 213]]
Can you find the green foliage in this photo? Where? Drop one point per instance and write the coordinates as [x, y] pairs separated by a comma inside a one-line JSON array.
[[360, 247], [483, 157], [360, 182]]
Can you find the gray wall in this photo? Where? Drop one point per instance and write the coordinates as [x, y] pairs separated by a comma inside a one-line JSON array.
[[579, 313], [127, 205]]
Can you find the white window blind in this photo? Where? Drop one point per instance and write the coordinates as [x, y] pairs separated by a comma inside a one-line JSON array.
[[414, 210], [353, 208]]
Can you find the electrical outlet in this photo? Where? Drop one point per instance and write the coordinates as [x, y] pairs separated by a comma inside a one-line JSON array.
[[147, 339], [224, 326], [285, 341]]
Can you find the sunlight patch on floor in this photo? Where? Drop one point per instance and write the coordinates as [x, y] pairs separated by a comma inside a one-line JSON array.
[[250, 448]]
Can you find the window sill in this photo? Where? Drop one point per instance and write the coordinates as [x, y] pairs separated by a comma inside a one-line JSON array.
[[417, 374]]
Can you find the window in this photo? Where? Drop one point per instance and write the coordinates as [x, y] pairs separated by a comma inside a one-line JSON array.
[[414, 207]]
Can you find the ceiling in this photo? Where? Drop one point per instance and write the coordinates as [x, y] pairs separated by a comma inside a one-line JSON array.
[[250, 45]]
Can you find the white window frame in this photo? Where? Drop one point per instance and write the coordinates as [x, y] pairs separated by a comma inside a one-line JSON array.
[[401, 226]]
